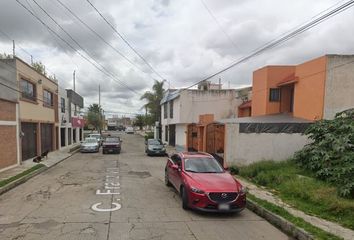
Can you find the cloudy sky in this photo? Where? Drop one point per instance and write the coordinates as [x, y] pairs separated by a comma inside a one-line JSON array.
[[183, 40]]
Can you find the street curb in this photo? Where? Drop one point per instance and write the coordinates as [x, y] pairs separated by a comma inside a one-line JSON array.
[[279, 222], [27, 177]]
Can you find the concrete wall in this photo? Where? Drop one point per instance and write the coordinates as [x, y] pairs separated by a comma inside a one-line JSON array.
[[181, 136], [339, 87], [9, 129], [8, 78], [220, 103], [246, 148], [310, 88]]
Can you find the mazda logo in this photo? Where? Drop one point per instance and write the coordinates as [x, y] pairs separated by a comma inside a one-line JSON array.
[[224, 195]]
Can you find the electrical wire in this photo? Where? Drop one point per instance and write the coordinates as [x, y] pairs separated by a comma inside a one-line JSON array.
[[100, 37], [276, 42], [75, 50], [220, 26], [124, 40], [79, 45]]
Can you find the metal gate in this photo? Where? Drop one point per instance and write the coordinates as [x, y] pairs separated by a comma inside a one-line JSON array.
[[192, 133], [29, 140], [215, 133], [46, 137]]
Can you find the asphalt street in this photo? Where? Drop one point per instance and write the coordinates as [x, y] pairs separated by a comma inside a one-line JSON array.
[[115, 196]]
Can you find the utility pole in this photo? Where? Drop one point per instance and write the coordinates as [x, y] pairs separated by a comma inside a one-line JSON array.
[[99, 107], [74, 80], [13, 48]]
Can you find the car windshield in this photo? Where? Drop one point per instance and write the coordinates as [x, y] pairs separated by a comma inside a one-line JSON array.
[[202, 165], [90, 140], [110, 140], [154, 142], [95, 136]]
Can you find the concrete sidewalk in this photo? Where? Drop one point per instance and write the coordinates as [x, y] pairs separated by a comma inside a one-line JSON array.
[[325, 225], [53, 159]]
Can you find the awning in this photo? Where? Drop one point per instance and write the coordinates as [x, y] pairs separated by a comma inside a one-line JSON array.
[[288, 80]]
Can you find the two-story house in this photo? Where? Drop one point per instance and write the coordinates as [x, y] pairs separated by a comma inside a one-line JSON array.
[[182, 107], [77, 123], [37, 108], [9, 113]]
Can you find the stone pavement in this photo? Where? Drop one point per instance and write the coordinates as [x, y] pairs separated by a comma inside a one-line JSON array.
[[325, 225], [53, 158]]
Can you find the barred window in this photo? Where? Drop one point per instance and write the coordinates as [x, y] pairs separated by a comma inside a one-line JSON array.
[[47, 98], [28, 90]]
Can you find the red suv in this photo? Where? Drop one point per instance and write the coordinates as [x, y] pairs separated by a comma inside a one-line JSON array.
[[203, 183]]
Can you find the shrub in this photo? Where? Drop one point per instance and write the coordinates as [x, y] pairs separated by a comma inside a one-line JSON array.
[[234, 170], [331, 154], [149, 135]]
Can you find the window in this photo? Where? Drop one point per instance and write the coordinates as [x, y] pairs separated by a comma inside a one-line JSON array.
[[165, 110], [62, 105], [274, 95], [28, 90], [166, 133], [171, 109], [176, 159], [47, 98]]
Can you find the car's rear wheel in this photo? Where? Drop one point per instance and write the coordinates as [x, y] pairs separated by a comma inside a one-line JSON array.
[[167, 181], [184, 198]]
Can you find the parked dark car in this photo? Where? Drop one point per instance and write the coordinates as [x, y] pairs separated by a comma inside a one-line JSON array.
[[203, 183], [111, 145], [155, 147]]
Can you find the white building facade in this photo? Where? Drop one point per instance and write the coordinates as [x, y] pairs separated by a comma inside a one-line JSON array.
[[182, 107]]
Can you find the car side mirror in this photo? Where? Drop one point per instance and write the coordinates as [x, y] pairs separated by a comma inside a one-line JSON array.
[[175, 167], [226, 168]]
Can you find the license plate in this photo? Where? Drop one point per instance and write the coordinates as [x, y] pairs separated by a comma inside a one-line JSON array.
[[110, 150], [224, 207]]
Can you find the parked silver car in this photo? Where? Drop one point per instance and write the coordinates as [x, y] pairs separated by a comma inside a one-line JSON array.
[[89, 145]]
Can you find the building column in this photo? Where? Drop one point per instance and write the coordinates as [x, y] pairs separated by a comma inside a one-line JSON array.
[[39, 138]]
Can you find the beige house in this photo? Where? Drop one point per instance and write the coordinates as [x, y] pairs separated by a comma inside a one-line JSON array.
[[38, 109]]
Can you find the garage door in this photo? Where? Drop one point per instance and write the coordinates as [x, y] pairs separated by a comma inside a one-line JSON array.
[[29, 140], [46, 137]]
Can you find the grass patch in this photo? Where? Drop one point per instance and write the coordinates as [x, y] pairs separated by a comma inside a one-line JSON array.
[[299, 189], [20, 175], [299, 222]]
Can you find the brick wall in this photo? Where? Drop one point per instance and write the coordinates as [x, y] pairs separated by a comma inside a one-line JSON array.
[[7, 111], [8, 151]]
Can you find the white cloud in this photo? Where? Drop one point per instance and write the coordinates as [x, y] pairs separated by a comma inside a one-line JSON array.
[[178, 38]]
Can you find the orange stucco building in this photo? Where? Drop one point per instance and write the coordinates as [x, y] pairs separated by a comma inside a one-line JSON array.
[[313, 90]]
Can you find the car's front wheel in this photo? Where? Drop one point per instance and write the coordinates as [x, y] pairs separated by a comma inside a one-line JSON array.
[[184, 198]]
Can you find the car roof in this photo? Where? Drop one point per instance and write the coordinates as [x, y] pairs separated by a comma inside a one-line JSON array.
[[88, 138], [194, 154]]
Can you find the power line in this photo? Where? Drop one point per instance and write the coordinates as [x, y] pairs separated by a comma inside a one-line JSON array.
[[99, 36], [276, 42], [75, 50], [78, 44], [126, 41], [220, 26]]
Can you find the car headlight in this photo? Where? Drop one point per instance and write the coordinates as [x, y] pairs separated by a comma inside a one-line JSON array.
[[196, 190], [243, 190]]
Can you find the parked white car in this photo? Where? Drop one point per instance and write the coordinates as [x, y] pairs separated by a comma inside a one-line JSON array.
[[97, 136], [129, 130]]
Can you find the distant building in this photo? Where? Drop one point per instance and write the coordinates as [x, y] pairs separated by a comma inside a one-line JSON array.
[[75, 107], [9, 115], [70, 117]]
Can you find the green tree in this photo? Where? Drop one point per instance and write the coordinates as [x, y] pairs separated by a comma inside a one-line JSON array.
[[94, 116], [39, 67], [153, 99], [5, 56], [140, 121]]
